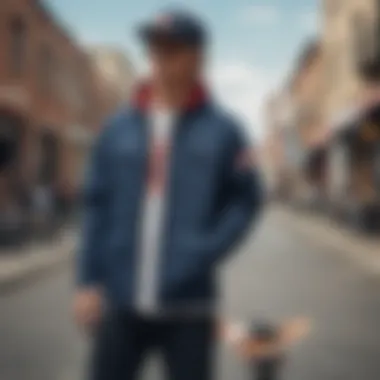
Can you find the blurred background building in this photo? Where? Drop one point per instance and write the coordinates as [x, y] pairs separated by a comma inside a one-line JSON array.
[[115, 74], [334, 92], [54, 95], [321, 149], [281, 143]]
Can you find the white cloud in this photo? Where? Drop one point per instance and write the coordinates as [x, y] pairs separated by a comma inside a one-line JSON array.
[[263, 15], [242, 88], [269, 15]]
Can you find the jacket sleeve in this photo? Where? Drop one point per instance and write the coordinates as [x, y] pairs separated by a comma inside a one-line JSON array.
[[95, 203], [243, 200]]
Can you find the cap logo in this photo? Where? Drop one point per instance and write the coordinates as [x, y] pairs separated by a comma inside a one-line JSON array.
[[164, 20]]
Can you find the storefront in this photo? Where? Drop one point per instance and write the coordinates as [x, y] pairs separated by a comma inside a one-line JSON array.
[[338, 176], [44, 192], [49, 146], [292, 160], [315, 173], [11, 127], [13, 110], [354, 161], [78, 143], [13, 202]]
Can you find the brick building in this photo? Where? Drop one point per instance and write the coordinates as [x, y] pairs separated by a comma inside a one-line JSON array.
[[276, 150], [294, 122], [49, 103], [115, 75]]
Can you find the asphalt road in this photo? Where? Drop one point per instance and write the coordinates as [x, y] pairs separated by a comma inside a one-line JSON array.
[[280, 274]]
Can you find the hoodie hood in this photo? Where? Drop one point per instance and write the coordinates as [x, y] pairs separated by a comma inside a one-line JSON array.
[[142, 97]]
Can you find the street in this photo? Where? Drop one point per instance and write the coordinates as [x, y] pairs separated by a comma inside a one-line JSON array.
[[281, 273]]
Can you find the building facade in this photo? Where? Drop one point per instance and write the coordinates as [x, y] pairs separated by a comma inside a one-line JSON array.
[[352, 74], [42, 89], [271, 145], [51, 104], [349, 36], [309, 90], [115, 76], [294, 122], [335, 134], [281, 143]]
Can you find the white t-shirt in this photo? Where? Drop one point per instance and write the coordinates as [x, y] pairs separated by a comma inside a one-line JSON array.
[[161, 123]]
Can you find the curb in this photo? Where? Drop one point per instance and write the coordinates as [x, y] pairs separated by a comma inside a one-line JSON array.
[[37, 265]]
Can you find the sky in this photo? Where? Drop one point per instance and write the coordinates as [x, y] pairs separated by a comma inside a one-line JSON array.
[[254, 43]]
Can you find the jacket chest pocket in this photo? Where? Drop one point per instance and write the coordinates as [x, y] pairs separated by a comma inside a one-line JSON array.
[[126, 155], [202, 167], [197, 179], [203, 158], [127, 165]]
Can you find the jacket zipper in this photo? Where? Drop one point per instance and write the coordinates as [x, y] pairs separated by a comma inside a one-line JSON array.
[[167, 220], [141, 194]]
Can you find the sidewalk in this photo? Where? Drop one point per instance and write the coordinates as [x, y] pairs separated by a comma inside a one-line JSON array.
[[19, 265], [363, 250]]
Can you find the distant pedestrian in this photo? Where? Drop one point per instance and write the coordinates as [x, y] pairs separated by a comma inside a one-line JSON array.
[[171, 191]]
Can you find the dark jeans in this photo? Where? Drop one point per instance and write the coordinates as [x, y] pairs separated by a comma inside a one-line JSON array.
[[124, 340], [267, 369]]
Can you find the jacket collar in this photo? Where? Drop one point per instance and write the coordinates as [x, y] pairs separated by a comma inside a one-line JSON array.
[[142, 97]]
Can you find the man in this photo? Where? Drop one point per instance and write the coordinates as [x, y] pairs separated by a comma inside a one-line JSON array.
[[171, 190]]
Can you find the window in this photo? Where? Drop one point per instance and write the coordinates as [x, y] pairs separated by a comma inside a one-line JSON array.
[[335, 67], [360, 36], [46, 69], [332, 7], [331, 65], [49, 158], [71, 87], [364, 46], [338, 171], [17, 46]]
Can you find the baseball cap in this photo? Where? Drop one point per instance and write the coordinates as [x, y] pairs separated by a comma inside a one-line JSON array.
[[179, 26]]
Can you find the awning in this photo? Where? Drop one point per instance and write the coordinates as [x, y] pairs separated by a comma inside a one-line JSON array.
[[344, 118], [353, 115], [365, 126], [317, 148]]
